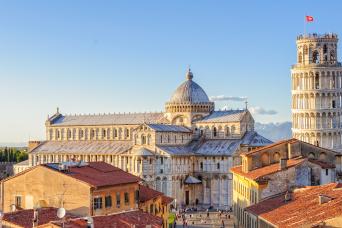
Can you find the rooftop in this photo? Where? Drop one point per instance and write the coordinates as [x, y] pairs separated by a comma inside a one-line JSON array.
[[129, 219], [83, 147], [23, 218], [256, 174], [169, 128], [223, 116], [107, 119], [98, 174], [303, 208], [146, 194]]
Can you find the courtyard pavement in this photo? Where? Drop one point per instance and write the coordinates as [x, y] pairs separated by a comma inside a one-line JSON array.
[[200, 220]]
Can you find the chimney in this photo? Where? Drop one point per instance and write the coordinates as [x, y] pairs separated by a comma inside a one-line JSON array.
[[282, 164], [32, 145], [323, 199]]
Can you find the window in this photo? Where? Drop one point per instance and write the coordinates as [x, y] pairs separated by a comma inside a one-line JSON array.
[[317, 80], [215, 132], [315, 57], [18, 201], [118, 199], [136, 196], [333, 104], [326, 172], [218, 165], [126, 198], [151, 208], [325, 49], [115, 132], [201, 165], [300, 57], [108, 201], [97, 203], [161, 160], [104, 133]]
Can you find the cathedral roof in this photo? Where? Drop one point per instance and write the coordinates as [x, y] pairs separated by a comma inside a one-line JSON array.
[[223, 116], [109, 119], [169, 128], [83, 147], [189, 92]]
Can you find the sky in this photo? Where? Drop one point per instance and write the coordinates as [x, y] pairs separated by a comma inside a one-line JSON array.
[[129, 56]]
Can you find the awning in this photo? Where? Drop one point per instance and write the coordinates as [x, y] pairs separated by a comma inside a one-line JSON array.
[[192, 180]]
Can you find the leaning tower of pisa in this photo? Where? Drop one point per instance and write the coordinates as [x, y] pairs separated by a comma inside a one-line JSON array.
[[316, 91]]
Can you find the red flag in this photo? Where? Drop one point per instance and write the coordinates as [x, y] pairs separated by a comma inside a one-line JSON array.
[[309, 18]]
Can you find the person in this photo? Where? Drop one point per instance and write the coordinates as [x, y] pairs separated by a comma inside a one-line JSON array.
[[222, 223]]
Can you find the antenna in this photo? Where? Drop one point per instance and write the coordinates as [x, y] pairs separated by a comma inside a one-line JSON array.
[[61, 212]]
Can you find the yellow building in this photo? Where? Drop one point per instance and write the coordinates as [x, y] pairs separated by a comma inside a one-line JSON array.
[[155, 203], [276, 169], [94, 188]]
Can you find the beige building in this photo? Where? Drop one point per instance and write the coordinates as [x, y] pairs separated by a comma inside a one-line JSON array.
[[316, 91], [184, 152], [84, 189]]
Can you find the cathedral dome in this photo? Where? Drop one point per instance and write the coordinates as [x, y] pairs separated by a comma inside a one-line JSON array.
[[189, 92]]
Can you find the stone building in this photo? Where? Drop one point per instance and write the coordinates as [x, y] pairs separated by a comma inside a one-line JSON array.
[[185, 152], [316, 91], [278, 168]]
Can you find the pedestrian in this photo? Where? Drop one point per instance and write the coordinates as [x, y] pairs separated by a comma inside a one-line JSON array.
[[229, 216], [222, 223]]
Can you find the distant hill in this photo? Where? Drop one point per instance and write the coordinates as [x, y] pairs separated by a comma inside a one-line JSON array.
[[15, 145], [274, 131]]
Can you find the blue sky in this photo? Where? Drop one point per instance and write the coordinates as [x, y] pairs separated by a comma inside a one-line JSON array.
[[126, 56]]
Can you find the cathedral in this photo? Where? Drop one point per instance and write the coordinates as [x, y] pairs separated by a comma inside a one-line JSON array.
[[185, 152]]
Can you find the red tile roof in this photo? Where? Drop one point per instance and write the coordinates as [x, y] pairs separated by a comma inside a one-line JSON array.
[[303, 208], [266, 170], [146, 194], [122, 220], [99, 174], [24, 218], [166, 200]]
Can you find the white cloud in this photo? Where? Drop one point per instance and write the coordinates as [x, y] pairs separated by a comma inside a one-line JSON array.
[[261, 111], [227, 98]]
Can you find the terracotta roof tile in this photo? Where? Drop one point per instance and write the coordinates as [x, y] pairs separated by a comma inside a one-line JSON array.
[[167, 200], [24, 218], [98, 174], [123, 220], [266, 170], [303, 208], [146, 194]]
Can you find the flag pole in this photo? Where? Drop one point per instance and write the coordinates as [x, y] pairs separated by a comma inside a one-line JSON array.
[[304, 25]]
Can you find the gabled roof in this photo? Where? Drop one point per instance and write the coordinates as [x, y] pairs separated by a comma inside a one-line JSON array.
[[146, 193], [223, 116], [108, 119], [167, 200], [83, 147], [97, 174], [192, 180], [256, 174], [303, 208], [169, 128], [253, 139]]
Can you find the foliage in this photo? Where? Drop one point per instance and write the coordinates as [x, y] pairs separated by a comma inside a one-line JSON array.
[[9, 154]]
